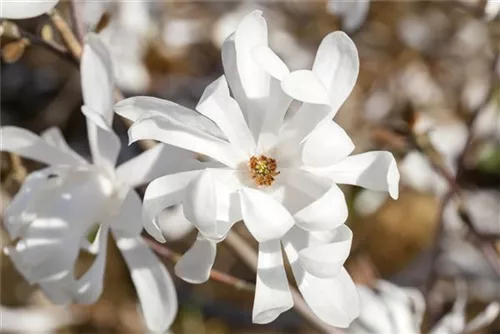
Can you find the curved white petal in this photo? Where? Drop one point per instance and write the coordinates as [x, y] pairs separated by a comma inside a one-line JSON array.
[[27, 144], [173, 132], [128, 220], [89, 286], [172, 223], [97, 77], [249, 82], [334, 300], [155, 162], [325, 213], [264, 217], [162, 193], [25, 10], [375, 170], [195, 265], [153, 283], [54, 137], [103, 141], [306, 86], [337, 66], [200, 204], [265, 57], [217, 104], [327, 144], [252, 31], [326, 260], [272, 292], [137, 107]]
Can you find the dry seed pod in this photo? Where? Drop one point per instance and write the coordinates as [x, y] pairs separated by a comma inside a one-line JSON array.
[[14, 50]]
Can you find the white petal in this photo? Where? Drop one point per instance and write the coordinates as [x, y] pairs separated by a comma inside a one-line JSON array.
[[13, 214], [269, 61], [375, 170], [250, 84], [27, 144], [128, 220], [170, 131], [272, 292], [153, 283], [195, 265], [327, 212], [54, 137], [326, 260], [252, 31], [97, 77], [162, 193], [89, 286], [337, 66], [217, 104], [264, 217], [334, 300], [142, 106], [306, 86], [24, 10], [485, 318], [200, 204], [103, 141], [155, 162], [172, 223], [327, 144]]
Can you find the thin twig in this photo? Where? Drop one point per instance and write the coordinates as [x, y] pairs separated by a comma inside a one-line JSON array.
[[75, 10], [249, 256], [69, 38], [215, 275]]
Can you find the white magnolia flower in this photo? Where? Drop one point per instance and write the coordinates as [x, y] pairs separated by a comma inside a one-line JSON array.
[[21, 9], [388, 308], [455, 321], [59, 206], [276, 171]]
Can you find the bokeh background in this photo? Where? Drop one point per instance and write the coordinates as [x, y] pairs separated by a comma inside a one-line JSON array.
[[428, 88]]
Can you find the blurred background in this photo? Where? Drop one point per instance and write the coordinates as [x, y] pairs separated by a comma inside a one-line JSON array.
[[428, 91]]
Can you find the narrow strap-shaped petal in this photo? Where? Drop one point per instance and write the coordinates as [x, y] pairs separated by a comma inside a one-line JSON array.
[[248, 81], [89, 286], [25, 10], [103, 141], [200, 204], [217, 104], [264, 217], [153, 283], [326, 260], [375, 170], [162, 193], [29, 145], [97, 77], [128, 219], [54, 137], [137, 107], [195, 265], [334, 300], [170, 131], [334, 72], [272, 292], [155, 162]]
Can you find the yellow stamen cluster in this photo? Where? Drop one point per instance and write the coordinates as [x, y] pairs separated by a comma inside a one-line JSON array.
[[263, 170]]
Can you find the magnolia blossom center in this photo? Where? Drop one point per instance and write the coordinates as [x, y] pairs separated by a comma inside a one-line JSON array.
[[263, 170]]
